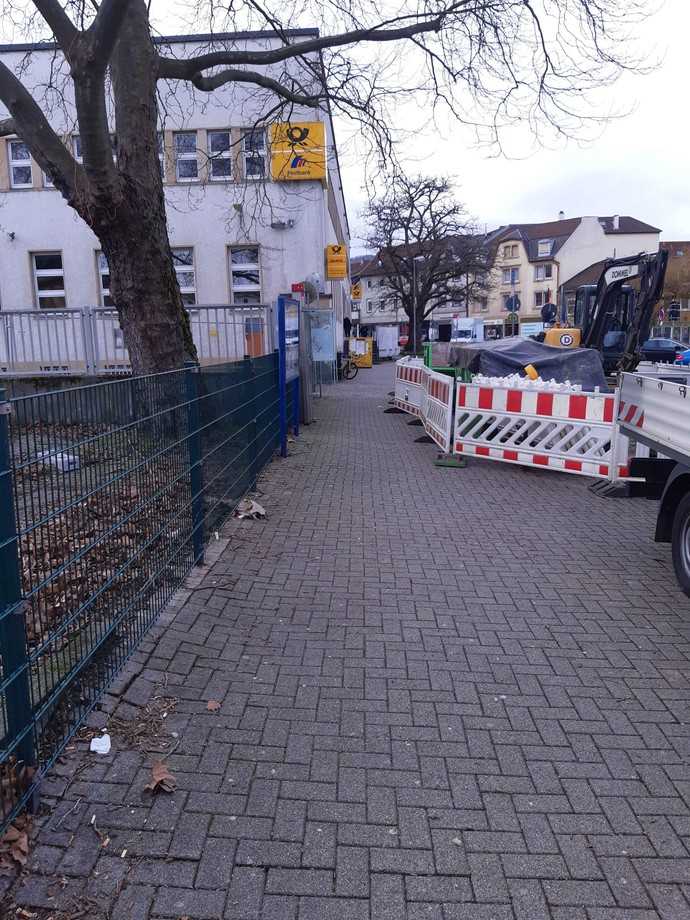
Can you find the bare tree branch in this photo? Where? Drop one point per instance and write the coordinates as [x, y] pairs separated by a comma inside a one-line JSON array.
[[105, 29], [186, 68], [7, 127], [60, 24], [32, 126]]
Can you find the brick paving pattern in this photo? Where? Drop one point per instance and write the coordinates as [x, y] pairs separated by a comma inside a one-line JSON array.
[[446, 695]]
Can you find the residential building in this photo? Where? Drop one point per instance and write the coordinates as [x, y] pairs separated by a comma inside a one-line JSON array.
[[533, 261], [239, 237]]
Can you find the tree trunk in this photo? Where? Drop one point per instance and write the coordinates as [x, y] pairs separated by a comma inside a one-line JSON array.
[[128, 215]]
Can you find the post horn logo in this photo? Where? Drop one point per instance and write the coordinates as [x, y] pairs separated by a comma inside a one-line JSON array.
[[297, 135]]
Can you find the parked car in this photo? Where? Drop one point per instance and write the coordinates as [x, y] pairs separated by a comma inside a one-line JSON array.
[[684, 357], [664, 350]]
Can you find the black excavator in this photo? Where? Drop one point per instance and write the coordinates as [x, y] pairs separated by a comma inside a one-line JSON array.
[[615, 316]]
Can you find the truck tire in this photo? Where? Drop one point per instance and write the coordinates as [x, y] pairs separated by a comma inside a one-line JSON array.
[[680, 543]]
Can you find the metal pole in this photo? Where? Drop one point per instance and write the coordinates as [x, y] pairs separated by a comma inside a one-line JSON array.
[[195, 467], [282, 374], [414, 306], [13, 649]]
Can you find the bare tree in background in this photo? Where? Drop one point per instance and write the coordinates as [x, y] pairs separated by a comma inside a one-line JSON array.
[[432, 253], [489, 62]]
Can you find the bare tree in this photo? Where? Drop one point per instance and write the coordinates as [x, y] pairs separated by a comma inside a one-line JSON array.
[[503, 58], [430, 250]]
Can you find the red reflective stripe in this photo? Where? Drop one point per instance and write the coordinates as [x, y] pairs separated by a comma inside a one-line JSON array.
[[630, 413], [540, 459], [462, 394], [459, 448], [577, 407], [510, 455], [544, 403], [574, 465], [608, 410], [640, 421], [514, 401], [603, 469], [623, 471], [486, 398], [482, 451]]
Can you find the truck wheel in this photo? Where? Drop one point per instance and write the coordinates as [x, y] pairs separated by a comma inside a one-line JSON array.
[[680, 543]]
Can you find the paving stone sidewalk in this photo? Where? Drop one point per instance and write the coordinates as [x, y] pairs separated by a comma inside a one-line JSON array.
[[445, 695]]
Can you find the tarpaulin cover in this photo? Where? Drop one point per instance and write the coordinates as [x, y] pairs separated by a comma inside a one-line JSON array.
[[502, 357]]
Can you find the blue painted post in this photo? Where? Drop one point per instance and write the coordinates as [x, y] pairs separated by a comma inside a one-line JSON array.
[[282, 384], [13, 649], [295, 407], [195, 467]]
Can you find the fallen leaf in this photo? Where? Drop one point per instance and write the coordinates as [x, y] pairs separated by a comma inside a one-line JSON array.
[[162, 779], [248, 508], [213, 705]]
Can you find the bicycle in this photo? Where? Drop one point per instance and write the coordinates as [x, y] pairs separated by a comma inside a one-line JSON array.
[[349, 369]]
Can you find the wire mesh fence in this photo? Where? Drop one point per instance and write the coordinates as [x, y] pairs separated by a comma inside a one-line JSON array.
[[108, 494]]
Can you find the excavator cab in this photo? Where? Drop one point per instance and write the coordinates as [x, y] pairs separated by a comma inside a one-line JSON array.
[[614, 317]]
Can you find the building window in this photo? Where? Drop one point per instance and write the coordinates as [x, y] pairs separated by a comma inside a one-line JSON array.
[[254, 153], [21, 175], [544, 248], [511, 275], [679, 253], [160, 143], [186, 163], [104, 280], [370, 306], [539, 298], [245, 275], [483, 305], [47, 181], [510, 251], [49, 280], [183, 260], [220, 157], [543, 272], [370, 283]]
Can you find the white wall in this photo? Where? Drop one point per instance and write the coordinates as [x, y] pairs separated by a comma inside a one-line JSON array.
[[209, 217], [589, 244]]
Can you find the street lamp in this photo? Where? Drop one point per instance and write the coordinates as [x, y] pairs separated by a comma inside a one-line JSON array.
[[414, 301]]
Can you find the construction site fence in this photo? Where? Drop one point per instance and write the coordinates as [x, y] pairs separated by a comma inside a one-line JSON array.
[[565, 430], [108, 495]]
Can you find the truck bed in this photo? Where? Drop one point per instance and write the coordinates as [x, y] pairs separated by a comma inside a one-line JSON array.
[[656, 412]]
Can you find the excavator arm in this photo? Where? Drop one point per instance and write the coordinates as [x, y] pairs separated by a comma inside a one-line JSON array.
[[650, 269]]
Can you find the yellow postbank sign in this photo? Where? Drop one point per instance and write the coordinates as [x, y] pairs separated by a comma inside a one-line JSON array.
[[336, 262], [356, 292], [298, 151]]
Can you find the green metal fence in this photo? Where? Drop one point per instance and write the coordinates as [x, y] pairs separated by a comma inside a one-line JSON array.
[[108, 494]]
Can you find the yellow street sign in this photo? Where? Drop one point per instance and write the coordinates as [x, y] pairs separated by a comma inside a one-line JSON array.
[[356, 293], [298, 151], [336, 262]]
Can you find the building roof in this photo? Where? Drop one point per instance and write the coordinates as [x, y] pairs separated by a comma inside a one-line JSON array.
[[561, 230], [184, 39]]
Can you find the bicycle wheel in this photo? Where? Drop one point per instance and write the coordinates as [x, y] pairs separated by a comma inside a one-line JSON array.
[[350, 370]]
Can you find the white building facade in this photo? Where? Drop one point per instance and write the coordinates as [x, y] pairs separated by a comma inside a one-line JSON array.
[[239, 238]]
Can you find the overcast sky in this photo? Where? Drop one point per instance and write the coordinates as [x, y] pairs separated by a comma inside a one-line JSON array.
[[638, 165]]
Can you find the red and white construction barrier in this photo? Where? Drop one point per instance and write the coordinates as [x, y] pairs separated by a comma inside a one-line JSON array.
[[572, 432], [409, 385], [437, 408]]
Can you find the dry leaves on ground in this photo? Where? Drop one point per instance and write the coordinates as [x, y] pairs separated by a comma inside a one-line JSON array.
[[248, 508], [162, 779], [14, 844], [213, 705]]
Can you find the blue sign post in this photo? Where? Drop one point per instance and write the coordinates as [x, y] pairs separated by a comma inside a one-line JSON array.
[[288, 365]]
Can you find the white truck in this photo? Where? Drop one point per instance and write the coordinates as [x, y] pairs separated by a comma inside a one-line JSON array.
[[655, 412], [466, 329]]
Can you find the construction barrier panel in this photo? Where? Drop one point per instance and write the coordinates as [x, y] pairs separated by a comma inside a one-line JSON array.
[[409, 385], [437, 408], [566, 431]]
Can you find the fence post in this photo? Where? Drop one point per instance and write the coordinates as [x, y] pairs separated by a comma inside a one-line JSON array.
[[13, 649], [282, 375], [90, 338], [249, 391], [195, 468]]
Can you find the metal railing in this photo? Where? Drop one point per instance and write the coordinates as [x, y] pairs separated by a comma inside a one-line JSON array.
[[89, 341], [672, 331], [108, 493]]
